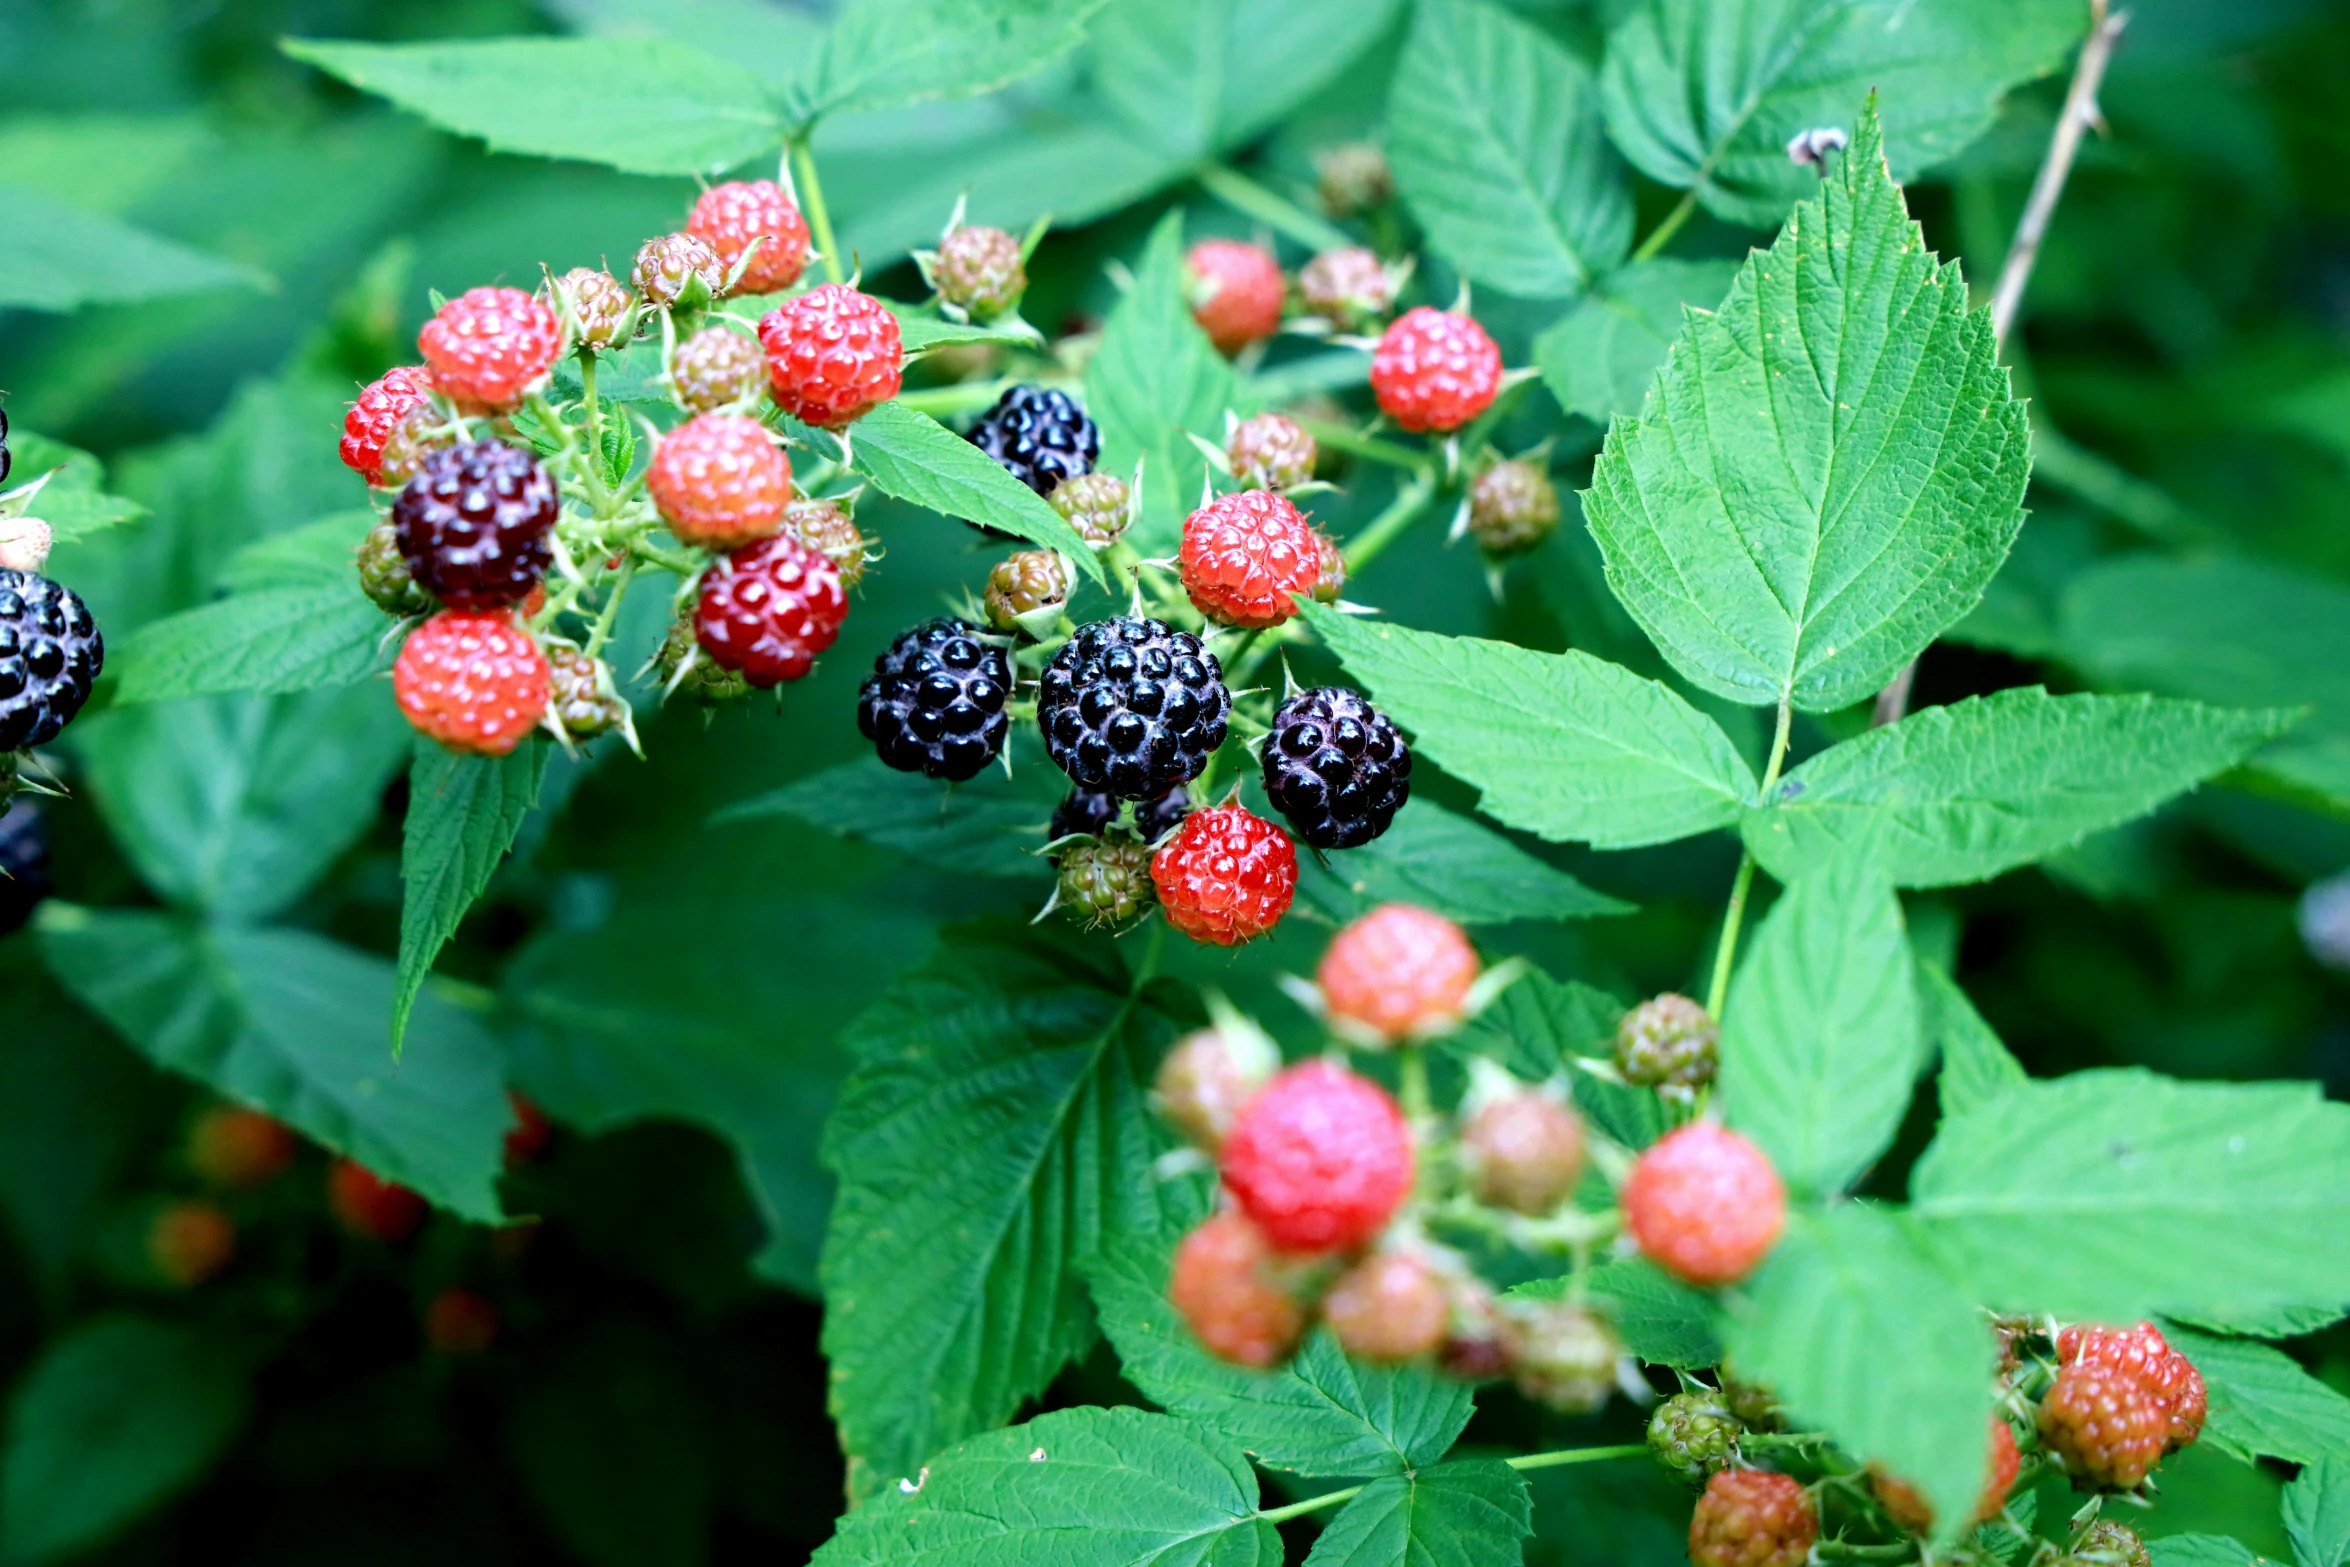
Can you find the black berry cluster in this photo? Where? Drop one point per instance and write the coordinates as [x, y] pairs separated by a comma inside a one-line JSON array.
[[934, 703], [474, 523], [1132, 707], [1335, 766], [50, 655], [1041, 437], [24, 863]]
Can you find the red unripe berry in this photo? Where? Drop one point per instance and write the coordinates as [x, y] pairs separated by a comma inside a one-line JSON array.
[[2144, 1353], [1226, 1283], [1245, 555], [1390, 1306], [473, 681], [1906, 1506], [720, 480], [768, 609], [1435, 370], [1704, 1204], [380, 408], [490, 345], [369, 1207], [1397, 972], [530, 1133], [1748, 1518], [1524, 1151], [2105, 1424], [1236, 292], [729, 218], [1226, 876], [191, 1242], [237, 1149], [460, 1322], [1320, 1158], [832, 353]]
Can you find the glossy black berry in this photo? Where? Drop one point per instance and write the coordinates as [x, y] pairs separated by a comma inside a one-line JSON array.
[[5, 459], [1335, 766], [474, 522], [1086, 811], [24, 862], [935, 701], [50, 655], [1132, 707], [1155, 818], [1040, 437]]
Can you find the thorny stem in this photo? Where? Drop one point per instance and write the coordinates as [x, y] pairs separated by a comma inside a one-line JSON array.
[[1237, 191], [1570, 1455], [1719, 990], [812, 196], [1662, 235], [1389, 525]]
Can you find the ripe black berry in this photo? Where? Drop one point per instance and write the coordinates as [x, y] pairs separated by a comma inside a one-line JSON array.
[[1335, 766], [5, 459], [50, 655], [1040, 437], [1085, 811], [1155, 818], [473, 524], [24, 863], [1132, 707], [935, 701]]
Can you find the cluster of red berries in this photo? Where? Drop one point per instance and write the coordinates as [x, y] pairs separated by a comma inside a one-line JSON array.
[[2120, 1399]]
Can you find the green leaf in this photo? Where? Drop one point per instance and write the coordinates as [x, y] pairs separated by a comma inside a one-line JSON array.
[[1199, 77], [883, 54], [991, 826], [1080, 1488], [1707, 93], [1599, 358], [1820, 1040], [1321, 1414], [1827, 471], [294, 1024], [1960, 793], [57, 257], [2317, 1511], [2203, 1550], [1862, 1336], [2263, 1404], [1475, 1512], [463, 813], [1663, 1321], [1564, 745], [938, 1328], [1976, 1067], [915, 458], [1539, 1026], [1451, 864], [73, 502], [2114, 1194], [1155, 382], [1493, 129], [918, 332], [118, 1414], [640, 104]]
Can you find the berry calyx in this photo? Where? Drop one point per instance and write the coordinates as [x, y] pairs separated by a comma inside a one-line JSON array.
[[1523, 1150], [488, 346], [236, 1149], [1391, 1306], [1750, 1518], [1246, 557], [595, 306], [1025, 584], [474, 525], [1435, 370], [1208, 1077], [1131, 707], [1271, 452], [767, 609], [934, 703], [832, 353], [1335, 768], [382, 404], [369, 1207], [1041, 437], [1668, 1041], [1105, 884], [733, 217], [2104, 1424], [1704, 1204], [674, 270], [474, 681], [1347, 287], [191, 1242], [1694, 1435], [717, 368], [1513, 507], [1226, 1282], [1097, 505], [1226, 876], [580, 694], [979, 271], [1906, 1506], [826, 527], [1562, 1356], [1236, 292], [720, 481], [1398, 972], [1319, 1158], [50, 657], [460, 1322]]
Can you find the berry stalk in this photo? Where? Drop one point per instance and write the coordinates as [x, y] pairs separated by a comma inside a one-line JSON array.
[[1718, 990], [1524, 1461], [811, 193], [1384, 529], [1242, 194]]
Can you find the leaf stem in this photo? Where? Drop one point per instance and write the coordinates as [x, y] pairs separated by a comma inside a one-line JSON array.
[[1524, 1461], [1662, 235], [1341, 439], [1389, 525], [1718, 991], [812, 196], [1277, 212], [1837, 1550]]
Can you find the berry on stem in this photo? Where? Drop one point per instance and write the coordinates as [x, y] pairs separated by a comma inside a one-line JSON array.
[[979, 271], [1513, 507], [1398, 972], [1226, 1283], [1105, 884], [595, 306], [716, 368], [1132, 707], [1335, 768], [1247, 557], [1041, 436], [1750, 1518], [1208, 1077], [474, 524], [678, 268], [832, 353], [826, 527], [382, 404], [1023, 584], [1346, 287], [580, 694], [683, 666], [1704, 1204], [420, 433], [50, 657], [1668, 1041], [2144, 1353], [1225, 877], [2104, 1424], [1096, 505], [934, 703], [460, 1322], [2106, 1543], [190, 1242], [1271, 452], [720, 480], [1237, 291], [1435, 370], [1694, 1435], [236, 1149], [732, 217], [1524, 1151], [489, 346], [768, 609], [24, 856], [369, 1207], [1563, 1356], [1906, 1506], [1391, 1306], [472, 681], [1352, 177], [1319, 1158]]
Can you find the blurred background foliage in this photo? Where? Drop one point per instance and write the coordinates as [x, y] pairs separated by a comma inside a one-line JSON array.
[[670, 988]]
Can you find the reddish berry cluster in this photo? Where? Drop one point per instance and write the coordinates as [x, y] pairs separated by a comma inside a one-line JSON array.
[[720, 481], [735, 217], [1750, 1518], [472, 681], [1398, 972], [1226, 876], [1247, 558], [2121, 1399], [1237, 291], [488, 346], [1704, 1204], [1435, 370], [832, 354]]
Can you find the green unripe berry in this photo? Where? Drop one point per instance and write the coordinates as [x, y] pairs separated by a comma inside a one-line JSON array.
[[1106, 883], [1693, 1435]]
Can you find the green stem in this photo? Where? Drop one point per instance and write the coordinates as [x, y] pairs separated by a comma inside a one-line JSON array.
[[1389, 525], [611, 613], [1837, 1550], [1719, 991], [1412, 1071], [803, 164], [1525, 1461], [592, 414], [1237, 191], [942, 402], [1341, 439], [1662, 235]]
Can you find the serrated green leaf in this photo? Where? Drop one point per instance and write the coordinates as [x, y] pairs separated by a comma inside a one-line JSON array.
[[884, 54], [1198, 77], [919, 332], [1827, 471], [57, 257], [2203, 1550], [915, 458], [1707, 93], [463, 813], [1599, 358], [1155, 382], [1662, 1320], [1493, 130], [1080, 1488], [645, 105], [1862, 1336], [1321, 1414], [1538, 1027], [1475, 1512], [2114, 1194], [1820, 1040], [1451, 864], [117, 1415], [991, 826], [1976, 1067], [2317, 1511], [937, 1328], [294, 1024], [73, 502], [1961, 793], [2262, 1403], [1564, 745]]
